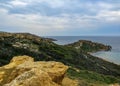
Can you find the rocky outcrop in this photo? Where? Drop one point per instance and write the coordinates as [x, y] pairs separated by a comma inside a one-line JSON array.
[[23, 71], [69, 82], [89, 46]]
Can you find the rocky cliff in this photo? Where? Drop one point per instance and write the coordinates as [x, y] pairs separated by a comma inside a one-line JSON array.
[[23, 71]]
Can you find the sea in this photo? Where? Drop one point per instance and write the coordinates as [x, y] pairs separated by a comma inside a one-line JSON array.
[[114, 41]]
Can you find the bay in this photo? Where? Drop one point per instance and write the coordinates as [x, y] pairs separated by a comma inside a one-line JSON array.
[[114, 41]]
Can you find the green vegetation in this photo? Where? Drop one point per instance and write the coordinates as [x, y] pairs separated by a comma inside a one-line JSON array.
[[91, 77], [89, 46], [75, 55]]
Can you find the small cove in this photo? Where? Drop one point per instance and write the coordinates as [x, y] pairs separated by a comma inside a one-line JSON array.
[[112, 56]]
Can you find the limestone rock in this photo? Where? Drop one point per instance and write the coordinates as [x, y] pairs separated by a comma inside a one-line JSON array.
[[23, 71], [69, 82]]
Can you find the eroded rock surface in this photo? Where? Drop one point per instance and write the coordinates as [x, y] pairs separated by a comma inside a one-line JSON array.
[[23, 71]]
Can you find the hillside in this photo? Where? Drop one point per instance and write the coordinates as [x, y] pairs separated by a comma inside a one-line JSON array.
[[89, 46], [73, 55]]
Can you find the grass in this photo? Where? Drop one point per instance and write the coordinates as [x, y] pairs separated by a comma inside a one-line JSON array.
[[88, 77]]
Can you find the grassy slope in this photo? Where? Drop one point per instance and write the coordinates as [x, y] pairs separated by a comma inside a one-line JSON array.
[[90, 78], [43, 49]]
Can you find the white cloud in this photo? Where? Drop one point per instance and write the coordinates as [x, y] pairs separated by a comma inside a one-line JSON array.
[[53, 3], [41, 24], [18, 3], [63, 22], [109, 16], [31, 22], [48, 24]]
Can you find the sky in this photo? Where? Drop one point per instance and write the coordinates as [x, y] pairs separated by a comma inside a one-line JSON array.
[[61, 17]]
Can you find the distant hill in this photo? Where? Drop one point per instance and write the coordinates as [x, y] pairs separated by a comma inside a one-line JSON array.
[[74, 55], [89, 46]]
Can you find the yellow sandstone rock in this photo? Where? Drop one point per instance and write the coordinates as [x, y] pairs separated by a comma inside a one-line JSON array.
[[69, 82], [23, 71]]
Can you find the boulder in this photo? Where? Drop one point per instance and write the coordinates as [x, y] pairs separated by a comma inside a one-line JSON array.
[[23, 71]]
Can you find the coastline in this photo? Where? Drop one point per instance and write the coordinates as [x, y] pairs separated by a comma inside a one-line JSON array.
[[74, 55], [60, 42], [107, 56]]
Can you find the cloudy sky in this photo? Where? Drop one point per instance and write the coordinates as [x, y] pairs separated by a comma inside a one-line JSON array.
[[61, 17]]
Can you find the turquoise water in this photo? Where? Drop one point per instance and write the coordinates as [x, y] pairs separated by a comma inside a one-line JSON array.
[[109, 56], [112, 56]]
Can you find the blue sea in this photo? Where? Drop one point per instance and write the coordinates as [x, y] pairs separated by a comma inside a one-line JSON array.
[[114, 41]]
